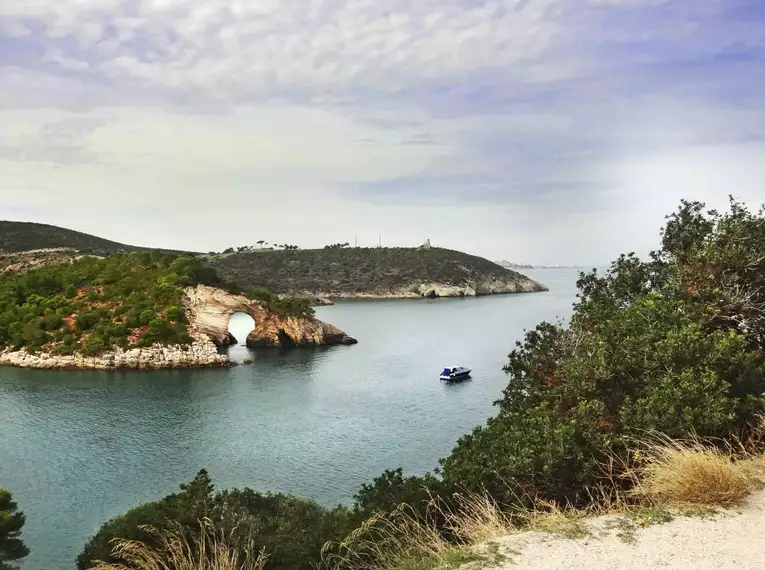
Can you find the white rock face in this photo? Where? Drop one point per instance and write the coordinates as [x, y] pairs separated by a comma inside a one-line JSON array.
[[209, 310], [436, 290], [486, 287]]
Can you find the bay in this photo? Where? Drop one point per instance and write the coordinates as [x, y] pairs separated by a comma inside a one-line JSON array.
[[77, 448]]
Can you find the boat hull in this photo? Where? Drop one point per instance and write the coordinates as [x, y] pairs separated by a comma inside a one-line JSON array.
[[456, 377]]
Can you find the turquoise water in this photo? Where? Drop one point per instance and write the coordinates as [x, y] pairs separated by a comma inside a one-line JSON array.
[[79, 447]]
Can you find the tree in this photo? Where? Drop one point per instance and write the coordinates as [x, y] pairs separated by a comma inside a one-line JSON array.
[[91, 304], [12, 548], [292, 530]]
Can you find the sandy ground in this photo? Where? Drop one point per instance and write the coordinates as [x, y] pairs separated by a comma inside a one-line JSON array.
[[730, 540]]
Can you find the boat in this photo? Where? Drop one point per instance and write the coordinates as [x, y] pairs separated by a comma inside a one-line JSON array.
[[455, 373]]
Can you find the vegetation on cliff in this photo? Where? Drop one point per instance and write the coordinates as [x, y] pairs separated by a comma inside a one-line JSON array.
[[674, 344], [87, 304], [355, 270], [285, 306], [12, 548], [279, 269], [128, 300]]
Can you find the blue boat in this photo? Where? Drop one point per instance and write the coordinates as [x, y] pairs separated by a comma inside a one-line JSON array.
[[452, 373]]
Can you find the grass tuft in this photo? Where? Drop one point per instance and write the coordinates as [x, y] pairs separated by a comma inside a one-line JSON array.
[[694, 472], [546, 516], [404, 540], [176, 549]]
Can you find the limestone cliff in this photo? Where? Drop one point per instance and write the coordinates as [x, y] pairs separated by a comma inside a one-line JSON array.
[[273, 330], [208, 311], [431, 290]]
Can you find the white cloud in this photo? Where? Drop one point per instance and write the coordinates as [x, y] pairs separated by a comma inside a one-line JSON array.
[[57, 57], [550, 126], [259, 48]]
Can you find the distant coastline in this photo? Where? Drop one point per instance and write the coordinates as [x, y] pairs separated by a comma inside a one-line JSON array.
[[512, 265]]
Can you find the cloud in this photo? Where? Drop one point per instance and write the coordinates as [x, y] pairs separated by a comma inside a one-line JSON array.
[[551, 119]]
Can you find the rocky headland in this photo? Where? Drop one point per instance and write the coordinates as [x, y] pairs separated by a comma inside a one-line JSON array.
[[208, 311], [372, 273]]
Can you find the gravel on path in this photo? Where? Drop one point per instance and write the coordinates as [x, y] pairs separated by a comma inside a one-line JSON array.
[[730, 540]]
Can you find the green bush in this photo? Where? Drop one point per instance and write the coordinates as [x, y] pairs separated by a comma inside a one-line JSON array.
[[12, 549], [298, 307], [291, 529], [136, 289], [673, 344]]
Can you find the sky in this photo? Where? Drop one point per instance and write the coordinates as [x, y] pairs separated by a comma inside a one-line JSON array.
[[541, 131]]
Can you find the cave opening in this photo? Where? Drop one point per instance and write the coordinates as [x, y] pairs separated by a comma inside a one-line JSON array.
[[239, 326]]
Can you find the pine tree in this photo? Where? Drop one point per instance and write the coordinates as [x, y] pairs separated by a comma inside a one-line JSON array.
[[11, 522], [198, 493]]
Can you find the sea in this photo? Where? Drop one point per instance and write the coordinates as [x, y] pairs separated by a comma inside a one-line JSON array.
[[79, 447]]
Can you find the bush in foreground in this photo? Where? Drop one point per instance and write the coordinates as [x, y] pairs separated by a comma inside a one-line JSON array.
[[176, 548], [291, 530], [674, 344], [12, 548]]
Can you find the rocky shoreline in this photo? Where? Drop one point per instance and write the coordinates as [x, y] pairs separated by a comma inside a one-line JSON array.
[[437, 290], [200, 353]]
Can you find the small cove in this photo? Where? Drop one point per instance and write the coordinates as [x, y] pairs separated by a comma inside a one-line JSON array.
[[79, 447]]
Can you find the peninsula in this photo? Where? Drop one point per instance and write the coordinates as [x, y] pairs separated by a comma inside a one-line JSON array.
[[146, 310], [371, 273]]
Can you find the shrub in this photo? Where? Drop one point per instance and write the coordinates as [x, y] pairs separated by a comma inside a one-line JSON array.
[[12, 549], [673, 344], [93, 345], [210, 547], [291, 530], [136, 288]]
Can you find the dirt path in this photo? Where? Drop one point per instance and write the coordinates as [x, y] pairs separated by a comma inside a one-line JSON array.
[[727, 541]]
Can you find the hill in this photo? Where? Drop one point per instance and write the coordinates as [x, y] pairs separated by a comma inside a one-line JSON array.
[[26, 236], [336, 272], [371, 272]]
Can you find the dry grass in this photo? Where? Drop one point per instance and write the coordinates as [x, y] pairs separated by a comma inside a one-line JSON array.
[[662, 473], [695, 472], [387, 541], [209, 549], [403, 540], [477, 519], [549, 517]]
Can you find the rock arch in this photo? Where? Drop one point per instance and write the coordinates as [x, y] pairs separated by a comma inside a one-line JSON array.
[[209, 312]]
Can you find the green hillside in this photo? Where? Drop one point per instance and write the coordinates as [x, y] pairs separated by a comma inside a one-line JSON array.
[[355, 270], [25, 236], [336, 271], [128, 300]]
